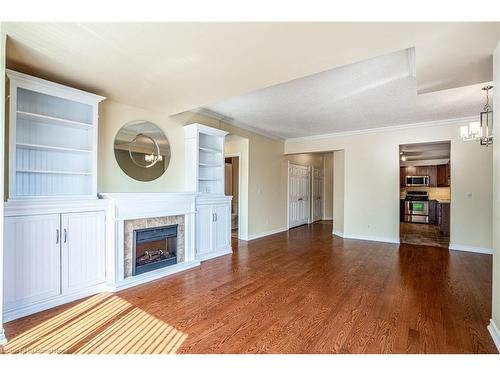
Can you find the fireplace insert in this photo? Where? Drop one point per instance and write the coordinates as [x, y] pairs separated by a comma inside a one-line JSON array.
[[154, 248]]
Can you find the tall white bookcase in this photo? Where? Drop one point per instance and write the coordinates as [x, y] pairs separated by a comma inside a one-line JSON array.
[[54, 237], [52, 139], [204, 159], [205, 175]]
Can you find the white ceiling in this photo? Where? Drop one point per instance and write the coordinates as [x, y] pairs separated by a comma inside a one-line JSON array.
[[174, 67], [378, 92]]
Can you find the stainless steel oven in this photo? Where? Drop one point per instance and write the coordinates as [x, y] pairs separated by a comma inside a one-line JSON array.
[[417, 211], [417, 180]]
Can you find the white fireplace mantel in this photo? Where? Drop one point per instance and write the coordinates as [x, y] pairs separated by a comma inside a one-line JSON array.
[[129, 206]]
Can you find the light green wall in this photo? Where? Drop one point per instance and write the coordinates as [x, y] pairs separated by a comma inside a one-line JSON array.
[[266, 202]]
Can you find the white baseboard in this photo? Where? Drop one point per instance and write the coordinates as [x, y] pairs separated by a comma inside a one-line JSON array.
[[338, 233], [264, 234], [3, 339], [495, 334], [121, 285], [371, 238], [225, 251], [472, 249], [52, 302], [151, 276], [327, 218]]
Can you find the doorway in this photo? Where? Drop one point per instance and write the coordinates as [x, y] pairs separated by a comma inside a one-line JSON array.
[[425, 194], [299, 211], [232, 187]]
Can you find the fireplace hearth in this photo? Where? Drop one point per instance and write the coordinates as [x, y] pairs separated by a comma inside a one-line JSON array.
[[154, 248]]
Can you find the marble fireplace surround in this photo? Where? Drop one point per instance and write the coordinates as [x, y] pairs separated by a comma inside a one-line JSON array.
[[129, 211], [154, 222]]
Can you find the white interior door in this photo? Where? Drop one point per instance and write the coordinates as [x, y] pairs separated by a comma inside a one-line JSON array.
[[83, 252], [298, 195], [317, 194]]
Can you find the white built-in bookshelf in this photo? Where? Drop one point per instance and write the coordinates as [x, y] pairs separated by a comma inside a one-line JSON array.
[[52, 139], [204, 159]]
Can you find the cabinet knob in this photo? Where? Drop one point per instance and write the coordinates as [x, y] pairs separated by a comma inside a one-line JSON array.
[[57, 236]]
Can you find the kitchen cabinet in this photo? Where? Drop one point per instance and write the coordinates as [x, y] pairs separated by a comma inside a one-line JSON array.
[[401, 210], [213, 227], [430, 170], [444, 218], [433, 205], [443, 175]]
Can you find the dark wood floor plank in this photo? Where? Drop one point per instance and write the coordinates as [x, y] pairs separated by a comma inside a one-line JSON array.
[[302, 291]]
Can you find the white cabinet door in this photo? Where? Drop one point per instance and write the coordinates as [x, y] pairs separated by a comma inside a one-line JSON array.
[[32, 266], [222, 228], [83, 251], [204, 229]]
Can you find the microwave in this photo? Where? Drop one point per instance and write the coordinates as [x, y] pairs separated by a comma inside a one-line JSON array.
[[417, 180]]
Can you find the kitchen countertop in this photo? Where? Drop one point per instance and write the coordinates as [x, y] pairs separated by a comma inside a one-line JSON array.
[[443, 201], [439, 200]]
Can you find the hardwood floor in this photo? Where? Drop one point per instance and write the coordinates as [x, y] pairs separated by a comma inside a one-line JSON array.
[[422, 234], [303, 291]]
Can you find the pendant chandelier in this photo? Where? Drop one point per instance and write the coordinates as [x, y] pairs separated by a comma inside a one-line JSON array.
[[482, 130]]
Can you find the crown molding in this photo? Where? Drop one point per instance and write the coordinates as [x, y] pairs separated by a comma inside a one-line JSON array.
[[209, 113], [220, 117], [28, 79], [382, 129], [238, 124]]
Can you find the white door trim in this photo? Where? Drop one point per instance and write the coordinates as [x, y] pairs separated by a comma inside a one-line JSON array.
[[322, 193], [237, 155]]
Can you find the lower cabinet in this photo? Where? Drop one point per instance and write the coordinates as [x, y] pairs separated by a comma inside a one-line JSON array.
[[51, 256], [433, 205], [213, 228], [444, 218], [32, 259], [83, 250]]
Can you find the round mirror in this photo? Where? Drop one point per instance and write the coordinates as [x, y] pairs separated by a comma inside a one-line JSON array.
[[142, 150]]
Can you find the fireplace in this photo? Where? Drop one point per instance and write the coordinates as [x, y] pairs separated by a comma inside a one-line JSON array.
[[154, 248]]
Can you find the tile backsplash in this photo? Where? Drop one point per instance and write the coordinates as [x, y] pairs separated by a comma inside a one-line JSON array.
[[434, 192]]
